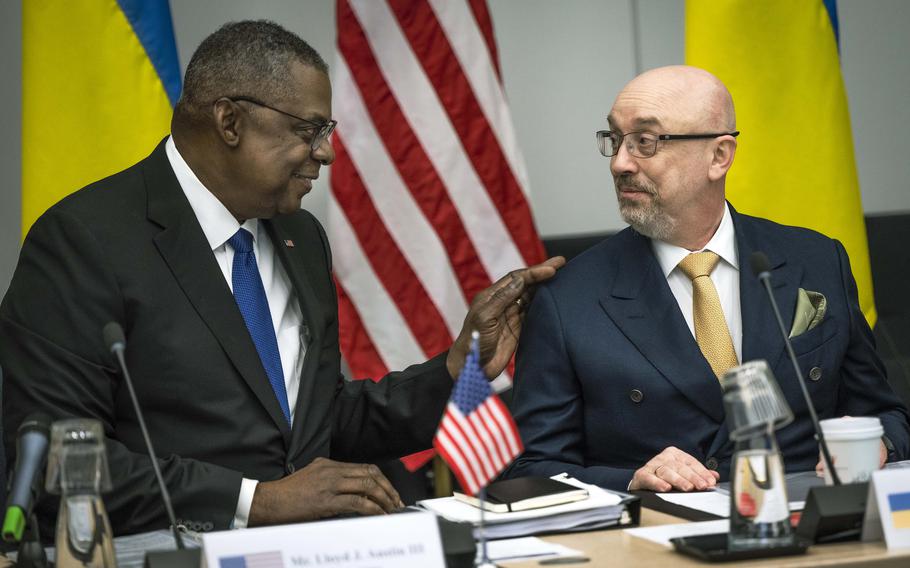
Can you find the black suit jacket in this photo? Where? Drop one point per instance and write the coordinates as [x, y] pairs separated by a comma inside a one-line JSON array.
[[608, 373], [129, 249]]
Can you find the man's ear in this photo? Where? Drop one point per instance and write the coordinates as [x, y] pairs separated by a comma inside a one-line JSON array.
[[228, 121], [722, 157]]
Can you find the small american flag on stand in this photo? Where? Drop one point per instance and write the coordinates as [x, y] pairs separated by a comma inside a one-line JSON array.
[[477, 436]]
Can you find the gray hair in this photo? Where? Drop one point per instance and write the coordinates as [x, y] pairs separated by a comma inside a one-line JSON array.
[[251, 58]]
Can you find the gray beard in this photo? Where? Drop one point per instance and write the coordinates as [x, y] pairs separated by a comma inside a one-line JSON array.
[[650, 220]]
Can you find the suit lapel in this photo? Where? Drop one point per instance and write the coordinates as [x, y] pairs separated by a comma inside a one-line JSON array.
[[641, 304], [761, 336], [186, 251], [293, 261]]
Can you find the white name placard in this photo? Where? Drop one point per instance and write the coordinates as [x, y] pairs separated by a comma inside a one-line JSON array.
[[409, 540], [888, 508]]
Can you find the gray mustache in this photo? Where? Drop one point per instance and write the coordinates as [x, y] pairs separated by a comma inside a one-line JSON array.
[[628, 181]]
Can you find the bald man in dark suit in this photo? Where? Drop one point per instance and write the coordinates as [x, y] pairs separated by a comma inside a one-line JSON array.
[[615, 382]]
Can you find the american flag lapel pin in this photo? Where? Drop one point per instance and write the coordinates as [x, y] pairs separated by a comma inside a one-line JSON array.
[[289, 243]]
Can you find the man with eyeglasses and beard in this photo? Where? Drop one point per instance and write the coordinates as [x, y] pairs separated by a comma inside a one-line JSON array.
[[617, 370], [223, 287]]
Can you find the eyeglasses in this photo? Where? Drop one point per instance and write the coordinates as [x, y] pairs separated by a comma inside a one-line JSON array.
[[643, 144], [322, 129]]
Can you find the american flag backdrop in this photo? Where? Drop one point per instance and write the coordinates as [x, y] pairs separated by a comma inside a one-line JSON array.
[[428, 198], [477, 436]]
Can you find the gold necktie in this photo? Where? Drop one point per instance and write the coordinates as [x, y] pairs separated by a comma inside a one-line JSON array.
[[711, 332]]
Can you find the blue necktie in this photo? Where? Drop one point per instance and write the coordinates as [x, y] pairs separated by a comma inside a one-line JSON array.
[[254, 306]]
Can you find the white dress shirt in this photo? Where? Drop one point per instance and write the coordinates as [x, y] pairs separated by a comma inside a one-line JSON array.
[[725, 277], [219, 225]]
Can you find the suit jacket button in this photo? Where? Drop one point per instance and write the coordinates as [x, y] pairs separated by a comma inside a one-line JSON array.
[[636, 395], [289, 468], [711, 463], [815, 374]]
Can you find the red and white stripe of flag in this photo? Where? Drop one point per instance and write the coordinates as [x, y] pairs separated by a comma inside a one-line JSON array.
[[429, 191], [478, 446]]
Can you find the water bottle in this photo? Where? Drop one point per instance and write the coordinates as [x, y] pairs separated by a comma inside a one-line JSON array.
[[77, 471], [759, 511], [755, 406]]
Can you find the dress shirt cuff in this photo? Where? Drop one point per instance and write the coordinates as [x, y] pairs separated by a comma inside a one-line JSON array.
[[244, 503]]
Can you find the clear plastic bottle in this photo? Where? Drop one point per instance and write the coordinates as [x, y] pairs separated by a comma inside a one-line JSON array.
[[755, 406], [759, 512], [77, 471]]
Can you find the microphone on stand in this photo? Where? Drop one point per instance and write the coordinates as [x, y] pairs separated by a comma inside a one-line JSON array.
[[32, 441], [831, 514], [116, 343], [761, 268]]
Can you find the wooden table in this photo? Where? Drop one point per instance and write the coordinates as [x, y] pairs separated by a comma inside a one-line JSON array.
[[616, 548]]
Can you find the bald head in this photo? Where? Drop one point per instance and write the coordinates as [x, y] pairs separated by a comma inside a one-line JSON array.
[[680, 99], [671, 188]]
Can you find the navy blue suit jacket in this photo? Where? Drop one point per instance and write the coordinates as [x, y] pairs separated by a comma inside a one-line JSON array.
[[608, 373]]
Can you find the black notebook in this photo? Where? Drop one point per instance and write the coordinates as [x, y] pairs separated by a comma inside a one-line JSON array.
[[525, 493]]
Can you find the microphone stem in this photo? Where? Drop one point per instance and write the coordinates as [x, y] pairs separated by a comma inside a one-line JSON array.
[[165, 495], [820, 436]]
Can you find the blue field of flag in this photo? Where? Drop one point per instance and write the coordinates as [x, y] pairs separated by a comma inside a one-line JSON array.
[[900, 510], [257, 560]]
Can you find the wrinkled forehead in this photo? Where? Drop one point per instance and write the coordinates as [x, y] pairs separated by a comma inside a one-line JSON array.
[[636, 109], [309, 93], [661, 101]]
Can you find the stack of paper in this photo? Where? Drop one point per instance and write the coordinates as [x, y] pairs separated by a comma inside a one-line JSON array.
[[661, 534], [601, 509], [524, 548], [713, 502]]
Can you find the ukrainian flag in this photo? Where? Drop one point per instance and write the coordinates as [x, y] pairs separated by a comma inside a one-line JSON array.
[[900, 510], [796, 164], [99, 81]]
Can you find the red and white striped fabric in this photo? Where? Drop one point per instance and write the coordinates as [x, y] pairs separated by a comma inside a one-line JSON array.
[[477, 436], [429, 191]]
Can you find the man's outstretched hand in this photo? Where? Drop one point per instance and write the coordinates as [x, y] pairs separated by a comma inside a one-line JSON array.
[[324, 488], [674, 469], [497, 314]]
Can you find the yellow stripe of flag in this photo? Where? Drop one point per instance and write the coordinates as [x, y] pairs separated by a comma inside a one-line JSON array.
[[92, 102], [795, 162], [900, 519]]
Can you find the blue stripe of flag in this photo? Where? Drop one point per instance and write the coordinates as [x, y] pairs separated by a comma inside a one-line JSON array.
[[151, 22], [831, 7], [899, 502]]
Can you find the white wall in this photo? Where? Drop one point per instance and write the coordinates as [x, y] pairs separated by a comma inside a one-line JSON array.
[[875, 56], [10, 129], [563, 63]]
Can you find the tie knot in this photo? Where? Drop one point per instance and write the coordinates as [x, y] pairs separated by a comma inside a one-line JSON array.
[[698, 264], [242, 241]]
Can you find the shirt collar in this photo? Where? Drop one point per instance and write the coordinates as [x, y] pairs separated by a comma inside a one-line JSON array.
[[723, 243], [217, 223]]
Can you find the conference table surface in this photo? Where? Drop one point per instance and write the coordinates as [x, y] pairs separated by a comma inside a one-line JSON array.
[[617, 548]]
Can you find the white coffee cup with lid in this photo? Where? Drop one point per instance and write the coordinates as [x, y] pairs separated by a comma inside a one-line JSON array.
[[855, 446]]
